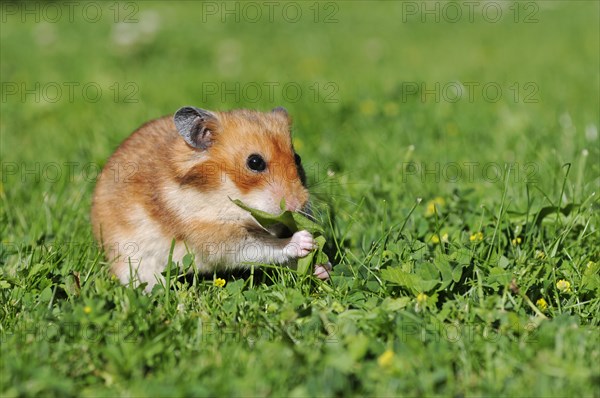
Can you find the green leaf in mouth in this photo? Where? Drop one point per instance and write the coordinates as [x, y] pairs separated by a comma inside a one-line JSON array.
[[294, 221]]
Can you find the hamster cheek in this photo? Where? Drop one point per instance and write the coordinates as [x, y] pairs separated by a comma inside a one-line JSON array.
[[263, 200]]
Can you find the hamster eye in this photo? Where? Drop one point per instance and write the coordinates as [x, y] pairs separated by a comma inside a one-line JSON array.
[[256, 163], [297, 159]]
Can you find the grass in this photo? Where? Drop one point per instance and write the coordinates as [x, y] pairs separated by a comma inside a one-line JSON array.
[[439, 278]]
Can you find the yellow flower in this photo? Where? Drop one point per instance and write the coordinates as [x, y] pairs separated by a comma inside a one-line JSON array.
[[87, 309], [385, 360], [476, 237], [434, 206], [390, 109], [219, 282], [542, 304], [337, 307], [421, 299], [435, 238], [452, 129], [367, 107], [540, 255], [516, 241], [564, 286]]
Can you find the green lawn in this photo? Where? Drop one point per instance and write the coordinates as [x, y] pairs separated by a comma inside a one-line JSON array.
[[454, 165]]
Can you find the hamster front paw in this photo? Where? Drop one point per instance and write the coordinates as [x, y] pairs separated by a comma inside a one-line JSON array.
[[300, 244], [322, 271]]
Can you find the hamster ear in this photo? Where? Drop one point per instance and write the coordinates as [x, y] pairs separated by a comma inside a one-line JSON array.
[[281, 110], [196, 126], [282, 113]]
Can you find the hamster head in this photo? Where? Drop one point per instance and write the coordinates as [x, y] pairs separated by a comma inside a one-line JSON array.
[[244, 154]]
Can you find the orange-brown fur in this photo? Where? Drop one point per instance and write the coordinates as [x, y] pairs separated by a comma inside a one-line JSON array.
[[179, 192]]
